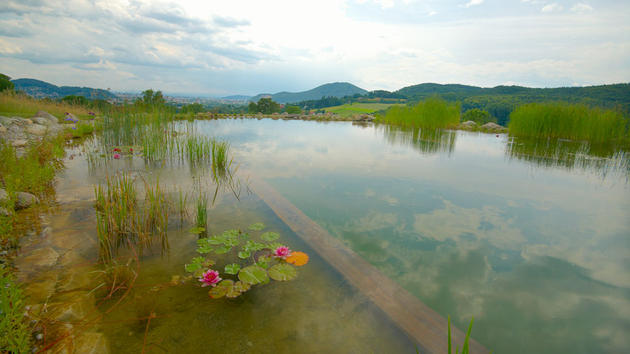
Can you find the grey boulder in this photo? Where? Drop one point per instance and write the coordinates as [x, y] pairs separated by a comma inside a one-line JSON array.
[[25, 200]]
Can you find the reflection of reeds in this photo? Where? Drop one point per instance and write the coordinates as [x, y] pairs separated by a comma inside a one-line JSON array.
[[121, 218], [422, 139], [202, 214], [568, 121]]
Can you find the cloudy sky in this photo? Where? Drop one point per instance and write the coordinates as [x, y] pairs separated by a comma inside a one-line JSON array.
[[248, 47]]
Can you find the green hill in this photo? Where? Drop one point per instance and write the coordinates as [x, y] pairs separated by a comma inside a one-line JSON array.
[[42, 89], [336, 89]]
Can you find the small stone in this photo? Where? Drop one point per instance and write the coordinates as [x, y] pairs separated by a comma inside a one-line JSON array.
[[24, 200], [4, 212], [4, 196], [42, 257]]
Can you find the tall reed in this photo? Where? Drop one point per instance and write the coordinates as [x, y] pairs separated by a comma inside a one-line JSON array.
[[434, 112], [568, 121], [202, 214]]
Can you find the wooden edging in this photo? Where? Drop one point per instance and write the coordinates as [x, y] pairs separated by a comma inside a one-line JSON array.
[[420, 322]]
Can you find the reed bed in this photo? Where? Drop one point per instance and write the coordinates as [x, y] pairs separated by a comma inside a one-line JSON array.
[[568, 121], [432, 113], [122, 218]]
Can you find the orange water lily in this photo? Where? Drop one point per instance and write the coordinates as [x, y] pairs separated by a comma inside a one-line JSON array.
[[297, 258]]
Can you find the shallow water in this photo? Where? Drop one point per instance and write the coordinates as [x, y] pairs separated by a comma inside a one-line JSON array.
[[530, 238]]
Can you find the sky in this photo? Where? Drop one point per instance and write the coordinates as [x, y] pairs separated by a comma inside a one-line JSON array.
[[218, 48]]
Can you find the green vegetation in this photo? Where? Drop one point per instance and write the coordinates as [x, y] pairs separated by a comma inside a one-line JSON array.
[[264, 106], [201, 220], [15, 334], [465, 348], [21, 105], [431, 113], [478, 116], [568, 121], [5, 83], [358, 108], [122, 220], [293, 109]]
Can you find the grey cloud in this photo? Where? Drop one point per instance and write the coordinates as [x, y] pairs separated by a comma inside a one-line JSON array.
[[230, 22]]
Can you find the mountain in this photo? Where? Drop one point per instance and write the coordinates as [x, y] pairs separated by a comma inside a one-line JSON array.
[[42, 89], [236, 98], [335, 89]]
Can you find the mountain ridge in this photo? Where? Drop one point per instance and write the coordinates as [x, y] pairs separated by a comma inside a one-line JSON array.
[[334, 89], [43, 89]]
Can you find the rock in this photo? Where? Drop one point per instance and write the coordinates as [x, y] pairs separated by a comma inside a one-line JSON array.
[[493, 127], [72, 239], [19, 143], [25, 200], [42, 121], [4, 212], [71, 258], [7, 120], [4, 196], [76, 279], [48, 116], [2, 129], [41, 257], [469, 124], [36, 129], [365, 118], [40, 289], [91, 343], [27, 121]]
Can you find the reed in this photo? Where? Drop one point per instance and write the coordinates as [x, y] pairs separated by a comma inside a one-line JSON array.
[[122, 219], [221, 161], [432, 113], [201, 220], [465, 347], [568, 121]]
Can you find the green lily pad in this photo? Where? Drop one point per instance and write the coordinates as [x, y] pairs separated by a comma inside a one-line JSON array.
[[197, 230], [221, 289], [257, 226], [251, 246], [253, 275], [232, 268], [244, 254], [270, 236], [282, 272], [196, 263], [273, 245], [263, 261], [223, 249], [242, 287]]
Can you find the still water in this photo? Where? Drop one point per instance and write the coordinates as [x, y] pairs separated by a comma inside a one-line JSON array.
[[530, 238]]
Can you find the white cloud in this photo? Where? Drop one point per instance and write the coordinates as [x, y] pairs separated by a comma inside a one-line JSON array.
[[581, 8], [473, 3], [551, 8]]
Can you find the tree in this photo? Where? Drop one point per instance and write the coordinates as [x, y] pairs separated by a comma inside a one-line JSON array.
[[478, 116], [252, 108], [5, 83], [293, 110], [267, 106]]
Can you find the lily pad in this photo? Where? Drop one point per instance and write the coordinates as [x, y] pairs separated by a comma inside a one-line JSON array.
[[257, 226], [221, 289], [273, 245], [270, 236], [232, 268], [244, 254], [282, 272], [242, 287], [263, 261], [223, 249], [251, 246], [197, 230], [253, 275], [197, 263]]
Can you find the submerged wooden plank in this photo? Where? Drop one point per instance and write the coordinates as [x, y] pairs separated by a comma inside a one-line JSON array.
[[420, 322]]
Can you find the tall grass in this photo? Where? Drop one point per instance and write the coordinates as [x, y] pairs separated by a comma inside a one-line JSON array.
[[15, 334], [22, 105], [122, 219], [201, 220], [568, 121], [465, 347], [433, 113]]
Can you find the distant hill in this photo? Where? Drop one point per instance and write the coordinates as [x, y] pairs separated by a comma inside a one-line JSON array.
[[236, 98], [42, 89], [336, 89]]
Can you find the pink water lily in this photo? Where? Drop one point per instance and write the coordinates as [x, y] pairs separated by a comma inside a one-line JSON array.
[[282, 252], [210, 277], [116, 156]]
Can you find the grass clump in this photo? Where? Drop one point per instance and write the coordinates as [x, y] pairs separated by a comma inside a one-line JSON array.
[[15, 334], [22, 105], [201, 220], [432, 113], [123, 220], [568, 121], [465, 347]]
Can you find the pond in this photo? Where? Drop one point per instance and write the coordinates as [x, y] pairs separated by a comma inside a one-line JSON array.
[[530, 238]]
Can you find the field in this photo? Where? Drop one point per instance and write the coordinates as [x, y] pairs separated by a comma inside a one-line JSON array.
[[358, 108]]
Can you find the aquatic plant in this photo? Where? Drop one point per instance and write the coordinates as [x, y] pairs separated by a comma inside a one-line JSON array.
[[434, 112], [465, 347], [568, 121], [122, 219], [248, 260], [201, 220]]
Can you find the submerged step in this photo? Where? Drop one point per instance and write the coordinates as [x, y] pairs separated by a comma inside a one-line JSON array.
[[421, 323]]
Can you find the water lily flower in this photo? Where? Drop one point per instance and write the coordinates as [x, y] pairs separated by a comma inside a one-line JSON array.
[[130, 149], [116, 156], [210, 277], [116, 149], [282, 252]]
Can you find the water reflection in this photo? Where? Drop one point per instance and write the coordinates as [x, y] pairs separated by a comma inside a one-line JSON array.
[[426, 141], [569, 155]]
